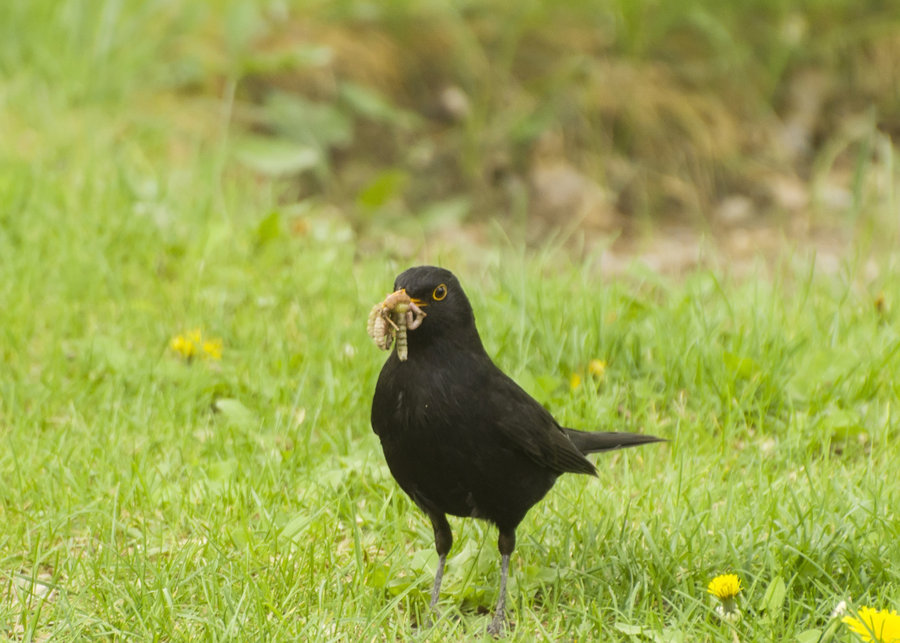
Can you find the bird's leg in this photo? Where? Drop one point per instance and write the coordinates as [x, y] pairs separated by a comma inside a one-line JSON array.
[[438, 577], [443, 540], [506, 543], [499, 620]]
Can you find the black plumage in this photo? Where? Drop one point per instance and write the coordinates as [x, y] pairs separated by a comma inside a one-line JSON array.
[[460, 436]]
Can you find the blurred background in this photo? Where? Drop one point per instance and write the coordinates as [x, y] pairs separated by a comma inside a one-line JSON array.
[[640, 126], [613, 117], [747, 121]]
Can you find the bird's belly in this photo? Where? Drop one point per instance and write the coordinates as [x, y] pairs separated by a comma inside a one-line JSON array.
[[445, 475]]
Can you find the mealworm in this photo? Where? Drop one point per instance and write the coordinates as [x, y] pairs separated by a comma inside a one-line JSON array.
[[401, 310], [392, 318]]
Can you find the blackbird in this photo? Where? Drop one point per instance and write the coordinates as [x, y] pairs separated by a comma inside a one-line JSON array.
[[460, 436]]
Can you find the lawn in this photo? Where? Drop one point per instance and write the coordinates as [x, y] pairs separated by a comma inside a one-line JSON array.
[[238, 492]]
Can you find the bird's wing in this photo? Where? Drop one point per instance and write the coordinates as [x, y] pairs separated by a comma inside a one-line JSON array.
[[522, 422]]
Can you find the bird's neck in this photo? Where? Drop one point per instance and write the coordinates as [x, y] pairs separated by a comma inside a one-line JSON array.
[[464, 340]]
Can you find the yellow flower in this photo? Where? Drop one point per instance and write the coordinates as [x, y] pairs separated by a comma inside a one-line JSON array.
[[597, 367], [183, 346], [725, 586], [882, 626], [574, 381], [213, 348], [192, 344]]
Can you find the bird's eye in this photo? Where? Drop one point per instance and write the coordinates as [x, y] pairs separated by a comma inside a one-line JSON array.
[[439, 293]]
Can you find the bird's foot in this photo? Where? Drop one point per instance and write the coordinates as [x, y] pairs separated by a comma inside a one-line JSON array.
[[434, 615], [427, 621], [497, 626]]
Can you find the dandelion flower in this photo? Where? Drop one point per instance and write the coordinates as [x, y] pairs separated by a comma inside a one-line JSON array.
[[575, 381], [183, 346], [880, 626], [725, 587], [192, 344], [212, 348], [597, 367]]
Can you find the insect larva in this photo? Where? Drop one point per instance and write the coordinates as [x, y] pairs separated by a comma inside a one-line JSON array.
[[370, 323], [392, 318], [377, 329], [401, 311], [383, 337]]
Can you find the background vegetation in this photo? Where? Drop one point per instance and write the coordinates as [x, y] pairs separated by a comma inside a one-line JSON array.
[[261, 170]]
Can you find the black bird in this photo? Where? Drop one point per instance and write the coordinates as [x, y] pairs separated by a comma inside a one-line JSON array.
[[460, 436]]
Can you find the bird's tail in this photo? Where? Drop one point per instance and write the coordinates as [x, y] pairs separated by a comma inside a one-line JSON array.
[[607, 441]]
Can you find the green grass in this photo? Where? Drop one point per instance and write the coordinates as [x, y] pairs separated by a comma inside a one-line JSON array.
[[145, 497]]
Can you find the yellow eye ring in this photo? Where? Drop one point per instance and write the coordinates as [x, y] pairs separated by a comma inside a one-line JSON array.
[[439, 293]]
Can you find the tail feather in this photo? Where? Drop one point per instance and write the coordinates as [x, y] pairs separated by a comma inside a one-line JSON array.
[[607, 441]]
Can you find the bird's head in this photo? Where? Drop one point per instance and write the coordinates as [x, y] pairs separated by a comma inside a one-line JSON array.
[[449, 314]]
